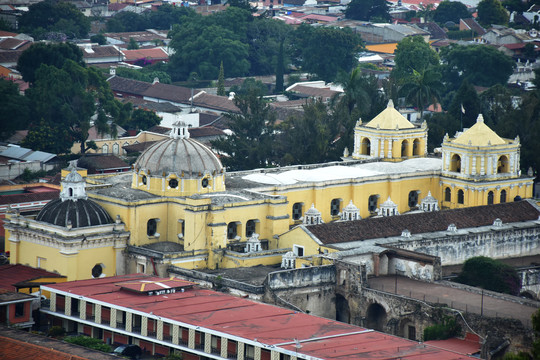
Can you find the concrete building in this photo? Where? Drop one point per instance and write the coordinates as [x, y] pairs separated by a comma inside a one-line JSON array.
[[167, 315]]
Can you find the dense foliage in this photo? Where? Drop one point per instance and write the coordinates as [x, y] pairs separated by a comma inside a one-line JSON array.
[[444, 330], [368, 10], [450, 11], [15, 104], [490, 274], [89, 342], [54, 20]]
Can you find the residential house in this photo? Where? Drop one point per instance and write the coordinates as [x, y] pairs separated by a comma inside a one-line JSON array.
[[101, 54], [470, 24], [103, 164], [318, 90], [142, 38], [383, 33], [143, 57], [16, 309], [500, 35], [16, 159]]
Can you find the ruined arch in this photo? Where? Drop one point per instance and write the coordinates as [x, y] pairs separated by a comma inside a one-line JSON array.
[[343, 312], [407, 329], [376, 317]]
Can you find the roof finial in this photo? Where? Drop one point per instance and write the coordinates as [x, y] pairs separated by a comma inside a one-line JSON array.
[[480, 118], [390, 104]]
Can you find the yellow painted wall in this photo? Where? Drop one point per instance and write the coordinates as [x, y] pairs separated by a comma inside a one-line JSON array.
[[141, 137]]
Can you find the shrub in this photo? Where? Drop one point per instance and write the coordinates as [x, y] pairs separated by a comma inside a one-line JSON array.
[[89, 342], [491, 275], [446, 329]]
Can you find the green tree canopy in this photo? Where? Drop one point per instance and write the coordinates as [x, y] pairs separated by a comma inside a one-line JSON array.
[[465, 105], [490, 274], [54, 16], [492, 12], [14, 104], [65, 99], [204, 42], [423, 88], [326, 51], [480, 65], [451, 11], [367, 10], [252, 143], [49, 54], [413, 53]]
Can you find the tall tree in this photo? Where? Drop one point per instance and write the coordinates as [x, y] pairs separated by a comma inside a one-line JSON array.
[[492, 12], [465, 105], [451, 11], [325, 51], [413, 53], [423, 88], [221, 81], [251, 144], [14, 104], [367, 10], [54, 16], [49, 54], [279, 69], [68, 98], [480, 65]]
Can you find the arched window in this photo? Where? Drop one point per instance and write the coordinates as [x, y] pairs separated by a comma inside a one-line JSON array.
[[115, 149], [70, 190], [455, 163], [404, 148], [447, 194], [232, 230], [503, 196], [335, 207], [251, 227], [490, 198], [373, 202], [460, 197], [416, 147], [413, 198], [151, 227], [297, 211], [503, 165], [105, 149], [366, 147]]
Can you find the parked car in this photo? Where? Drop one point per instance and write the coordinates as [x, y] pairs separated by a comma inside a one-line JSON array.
[[131, 351]]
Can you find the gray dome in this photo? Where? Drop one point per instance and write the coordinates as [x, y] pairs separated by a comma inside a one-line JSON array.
[[74, 176], [80, 213], [177, 156]]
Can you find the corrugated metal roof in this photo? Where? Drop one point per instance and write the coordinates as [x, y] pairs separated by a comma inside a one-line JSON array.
[[255, 322]]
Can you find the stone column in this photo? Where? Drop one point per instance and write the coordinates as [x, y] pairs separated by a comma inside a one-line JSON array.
[[129, 321], [175, 334], [52, 305], [67, 310], [191, 338], [224, 347], [144, 325], [257, 355], [98, 313], [207, 343], [82, 309], [159, 330], [113, 318], [240, 351]]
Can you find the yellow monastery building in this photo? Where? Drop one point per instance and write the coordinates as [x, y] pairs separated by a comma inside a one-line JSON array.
[[179, 207]]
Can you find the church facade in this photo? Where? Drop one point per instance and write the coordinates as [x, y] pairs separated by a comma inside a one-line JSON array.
[[180, 207]]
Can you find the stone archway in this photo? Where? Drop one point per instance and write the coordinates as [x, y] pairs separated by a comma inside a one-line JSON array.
[[376, 317], [343, 313]]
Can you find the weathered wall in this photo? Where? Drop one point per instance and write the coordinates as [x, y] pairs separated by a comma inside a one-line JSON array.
[[530, 282], [498, 243], [311, 290]]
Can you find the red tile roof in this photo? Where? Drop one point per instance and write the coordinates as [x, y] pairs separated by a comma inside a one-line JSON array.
[[253, 321], [13, 275], [151, 54], [29, 197]]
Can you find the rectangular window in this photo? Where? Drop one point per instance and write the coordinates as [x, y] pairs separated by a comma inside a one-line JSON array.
[[141, 268], [181, 228], [232, 230], [250, 227], [19, 309], [298, 250], [41, 262]]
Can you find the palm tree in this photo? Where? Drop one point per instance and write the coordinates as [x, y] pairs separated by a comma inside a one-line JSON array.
[[423, 88]]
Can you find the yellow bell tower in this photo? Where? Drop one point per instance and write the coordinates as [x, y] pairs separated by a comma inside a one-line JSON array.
[[389, 137], [481, 168]]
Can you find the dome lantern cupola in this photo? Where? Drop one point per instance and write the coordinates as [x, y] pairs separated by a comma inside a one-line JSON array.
[[73, 185], [179, 131]]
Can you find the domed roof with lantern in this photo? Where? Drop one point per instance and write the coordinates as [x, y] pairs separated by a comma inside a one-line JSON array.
[[179, 154], [73, 208]]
